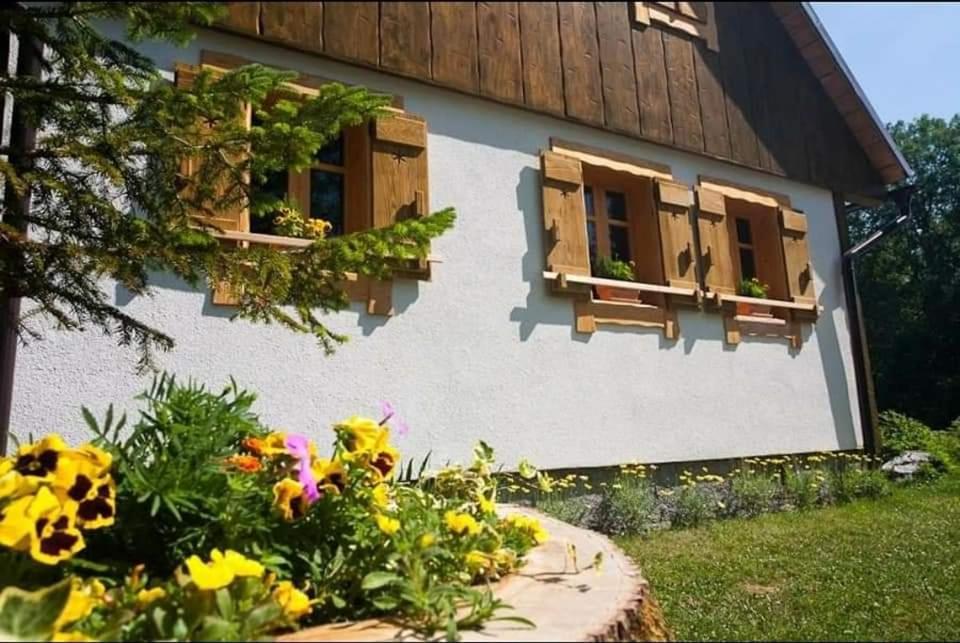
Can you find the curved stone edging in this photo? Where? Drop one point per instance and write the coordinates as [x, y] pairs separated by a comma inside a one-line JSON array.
[[606, 604]]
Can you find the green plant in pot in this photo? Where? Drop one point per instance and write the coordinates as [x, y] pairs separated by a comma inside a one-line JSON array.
[[607, 268], [755, 289]]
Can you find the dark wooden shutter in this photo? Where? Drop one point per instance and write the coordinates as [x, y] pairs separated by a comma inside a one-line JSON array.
[[716, 259], [674, 202], [564, 215], [235, 218], [796, 257]]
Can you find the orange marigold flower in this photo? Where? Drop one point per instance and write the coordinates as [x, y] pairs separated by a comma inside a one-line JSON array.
[[246, 463], [253, 445]]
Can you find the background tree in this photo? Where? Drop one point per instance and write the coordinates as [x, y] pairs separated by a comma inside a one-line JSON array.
[[910, 284], [109, 200]]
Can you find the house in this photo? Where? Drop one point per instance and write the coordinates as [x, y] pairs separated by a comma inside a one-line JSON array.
[[708, 143]]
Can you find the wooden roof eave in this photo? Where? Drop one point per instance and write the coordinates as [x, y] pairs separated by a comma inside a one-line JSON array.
[[816, 47]]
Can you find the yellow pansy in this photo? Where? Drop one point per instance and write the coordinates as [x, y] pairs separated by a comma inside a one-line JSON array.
[[384, 460], [461, 524], [84, 597], [147, 596], [289, 497], [294, 603], [54, 536], [330, 475], [78, 483], [381, 495], [90, 457], [15, 485], [387, 525], [362, 434], [272, 445], [40, 459], [426, 540]]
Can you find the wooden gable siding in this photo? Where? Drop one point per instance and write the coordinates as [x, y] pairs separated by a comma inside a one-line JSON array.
[[754, 101]]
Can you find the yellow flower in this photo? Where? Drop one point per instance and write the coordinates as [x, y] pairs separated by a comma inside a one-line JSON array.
[[78, 484], [461, 524], [43, 525], [384, 460], [40, 459], [221, 570], [487, 505], [330, 474], [15, 485], [530, 526], [84, 597], [290, 498], [147, 596], [362, 434], [294, 603], [426, 540], [477, 561], [381, 495], [387, 525], [67, 637], [90, 458], [240, 565]]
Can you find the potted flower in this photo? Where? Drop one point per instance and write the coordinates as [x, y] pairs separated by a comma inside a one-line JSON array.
[[619, 270], [756, 289]]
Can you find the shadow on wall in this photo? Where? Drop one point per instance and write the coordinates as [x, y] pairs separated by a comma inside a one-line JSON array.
[[405, 293]]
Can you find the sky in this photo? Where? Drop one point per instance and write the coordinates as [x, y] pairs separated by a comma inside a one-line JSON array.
[[906, 56]]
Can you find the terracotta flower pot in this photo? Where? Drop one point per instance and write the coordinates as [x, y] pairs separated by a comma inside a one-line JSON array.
[[753, 310], [614, 293]]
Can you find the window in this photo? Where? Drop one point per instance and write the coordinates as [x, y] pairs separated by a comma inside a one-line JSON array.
[[748, 262], [320, 191], [608, 215], [748, 233], [373, 175], [621, 221], [692, 18]]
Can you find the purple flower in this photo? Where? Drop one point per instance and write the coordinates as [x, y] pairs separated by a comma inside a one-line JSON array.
[[389, 412], [299, 447]]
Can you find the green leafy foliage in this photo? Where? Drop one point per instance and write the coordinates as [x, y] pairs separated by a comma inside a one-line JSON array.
[[32, 616], [174, 492], [753, 287], [901, 433], [752, 492], [109, 199], [608, 268], [883, 569], [627, 506], [197, 472], [909, 283]]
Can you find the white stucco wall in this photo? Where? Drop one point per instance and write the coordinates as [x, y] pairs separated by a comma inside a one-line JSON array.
[[484, 351]]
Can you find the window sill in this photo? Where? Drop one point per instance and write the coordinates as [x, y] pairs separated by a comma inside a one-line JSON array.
[[562, 281], [785, 322], [591, 313], [376, 293]]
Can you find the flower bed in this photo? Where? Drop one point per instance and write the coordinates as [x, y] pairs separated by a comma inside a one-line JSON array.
[[606, 600], [199, 523]]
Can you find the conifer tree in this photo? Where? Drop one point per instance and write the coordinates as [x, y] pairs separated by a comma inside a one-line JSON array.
[[109, 199]]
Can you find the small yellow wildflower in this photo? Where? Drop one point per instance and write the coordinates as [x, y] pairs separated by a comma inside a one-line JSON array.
[[147, 596], [426, 540], [387, 525], [461, 524], [294, 603]]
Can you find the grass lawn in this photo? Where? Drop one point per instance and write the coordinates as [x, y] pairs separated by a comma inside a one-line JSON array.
[[885, 569]]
